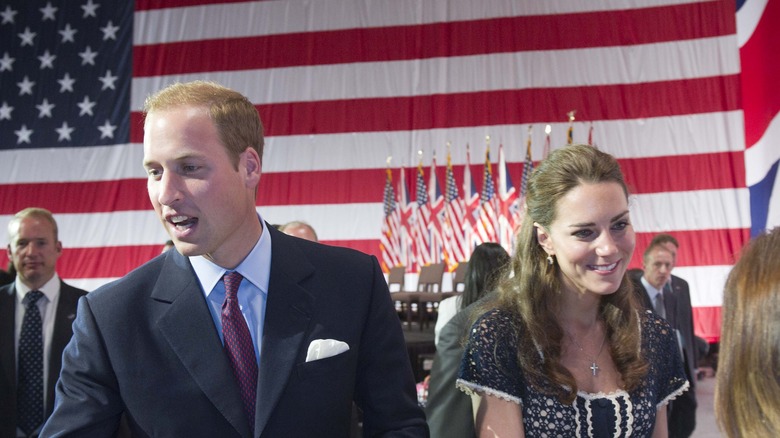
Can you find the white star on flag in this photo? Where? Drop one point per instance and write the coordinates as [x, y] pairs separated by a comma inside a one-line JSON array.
[[107, 130], [68, 34], [47, 60], [109, 31], [6, 62], [26, 86], [27, 36], [88, 56], [64, 131], [90, 9], [66, 83], [48, 12], [108, 80], [23, 134], [86, 106], [44, 109]]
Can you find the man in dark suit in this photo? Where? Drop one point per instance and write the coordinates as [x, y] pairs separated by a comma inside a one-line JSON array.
[[242, 331], [31, 353], [669, 296]]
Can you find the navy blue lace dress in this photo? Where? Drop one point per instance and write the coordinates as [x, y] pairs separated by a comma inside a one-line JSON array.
[[490, 367]]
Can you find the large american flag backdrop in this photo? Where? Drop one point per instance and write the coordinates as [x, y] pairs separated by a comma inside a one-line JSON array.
[[343, 84]]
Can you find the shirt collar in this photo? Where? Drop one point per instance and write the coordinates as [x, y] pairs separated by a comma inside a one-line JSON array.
[[652, 291], [256, 266], [50, 289]]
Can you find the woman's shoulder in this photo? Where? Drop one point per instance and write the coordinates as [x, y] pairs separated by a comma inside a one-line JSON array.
[[495, 326], [657, 333], [495, 318], [650, 322]]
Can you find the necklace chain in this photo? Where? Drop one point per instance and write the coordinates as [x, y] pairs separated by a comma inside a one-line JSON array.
[[594, 367]]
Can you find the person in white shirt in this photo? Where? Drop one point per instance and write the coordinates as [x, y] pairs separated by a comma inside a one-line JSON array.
[[487, 265], [31, 345]]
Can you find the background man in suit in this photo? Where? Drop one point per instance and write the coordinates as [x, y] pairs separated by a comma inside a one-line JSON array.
[[173, 344], [31, 344], [657, 281]]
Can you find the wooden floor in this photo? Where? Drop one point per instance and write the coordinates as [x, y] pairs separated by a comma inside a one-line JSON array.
[[705, 413]]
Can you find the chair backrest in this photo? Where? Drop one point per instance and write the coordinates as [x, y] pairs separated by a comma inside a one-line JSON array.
[[459, 277], [396, 277], [430, 278]]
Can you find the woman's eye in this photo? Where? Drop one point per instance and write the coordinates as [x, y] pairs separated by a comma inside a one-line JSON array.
[[582, 234], [620, 225]]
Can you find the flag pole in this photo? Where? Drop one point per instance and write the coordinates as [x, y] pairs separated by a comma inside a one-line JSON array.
[[570, 134]]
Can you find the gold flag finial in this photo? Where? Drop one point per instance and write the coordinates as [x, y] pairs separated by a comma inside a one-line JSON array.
[[571, 115]]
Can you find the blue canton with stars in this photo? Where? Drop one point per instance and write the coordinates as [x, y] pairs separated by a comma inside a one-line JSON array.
[[65, 73]]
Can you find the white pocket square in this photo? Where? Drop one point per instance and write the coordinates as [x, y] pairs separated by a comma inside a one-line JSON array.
[[324, 348]]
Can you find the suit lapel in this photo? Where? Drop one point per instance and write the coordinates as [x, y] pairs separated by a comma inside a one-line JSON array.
[[287, 316], [670, 301], [7, 328], [187, 326], [63, 331]]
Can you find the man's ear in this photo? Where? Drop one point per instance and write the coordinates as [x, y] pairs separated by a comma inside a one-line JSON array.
[[252, 166], [543, 237]]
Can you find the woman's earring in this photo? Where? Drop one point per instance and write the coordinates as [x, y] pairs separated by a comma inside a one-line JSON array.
[[550, 260]]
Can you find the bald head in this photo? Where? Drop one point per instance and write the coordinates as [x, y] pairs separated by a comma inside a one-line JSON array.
[[299, 229]]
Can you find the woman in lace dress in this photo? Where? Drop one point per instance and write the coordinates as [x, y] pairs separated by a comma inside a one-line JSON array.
[[566, 351]]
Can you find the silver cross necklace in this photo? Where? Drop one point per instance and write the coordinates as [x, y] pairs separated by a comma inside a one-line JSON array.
[[594, 367]]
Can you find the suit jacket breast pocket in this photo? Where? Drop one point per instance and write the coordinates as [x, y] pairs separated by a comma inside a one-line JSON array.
[[329, 366]]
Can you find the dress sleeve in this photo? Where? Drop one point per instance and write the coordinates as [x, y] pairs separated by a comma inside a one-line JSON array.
[[489, 365], [665, 356]]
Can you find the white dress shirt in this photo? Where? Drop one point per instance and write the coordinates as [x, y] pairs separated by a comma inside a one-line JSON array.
[[252, 294], [448, 308]]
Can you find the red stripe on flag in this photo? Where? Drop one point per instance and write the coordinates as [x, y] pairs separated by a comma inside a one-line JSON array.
[[100, 262], [460, 38], [699, 247], [653, 99], [706, 322], [146, 5], [671, 174], [76, 197]]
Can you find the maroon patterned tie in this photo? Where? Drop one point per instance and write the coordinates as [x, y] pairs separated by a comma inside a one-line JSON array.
[[238, 345]]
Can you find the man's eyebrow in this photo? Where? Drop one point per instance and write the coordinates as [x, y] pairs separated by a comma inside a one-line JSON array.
[[182, 157]]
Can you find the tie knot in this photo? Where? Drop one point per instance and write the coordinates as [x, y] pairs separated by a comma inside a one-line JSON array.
[[32, 298], [232, 280]]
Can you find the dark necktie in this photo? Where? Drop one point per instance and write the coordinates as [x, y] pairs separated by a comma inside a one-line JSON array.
[[29, 398], [238, 345], [660, 306]]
